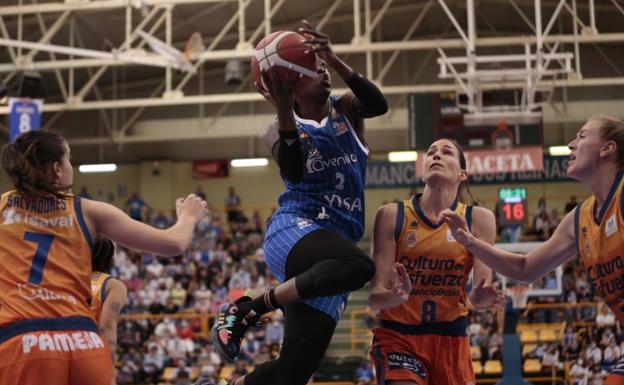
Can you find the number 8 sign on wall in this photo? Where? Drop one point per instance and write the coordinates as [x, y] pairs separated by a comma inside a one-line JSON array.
[[24, 116]]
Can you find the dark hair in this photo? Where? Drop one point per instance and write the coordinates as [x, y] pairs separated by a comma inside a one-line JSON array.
[[612, 129], [464, 194], [26, 161], [102, 256]]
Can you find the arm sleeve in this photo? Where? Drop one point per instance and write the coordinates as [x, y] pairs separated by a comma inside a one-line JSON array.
[[369, 101], [288, 154]]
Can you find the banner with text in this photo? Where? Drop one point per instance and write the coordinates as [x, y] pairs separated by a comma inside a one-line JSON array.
[[204, 169], [515, 159], [383, 174]]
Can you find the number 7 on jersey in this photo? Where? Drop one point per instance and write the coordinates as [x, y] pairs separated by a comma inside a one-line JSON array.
[[44, 242]]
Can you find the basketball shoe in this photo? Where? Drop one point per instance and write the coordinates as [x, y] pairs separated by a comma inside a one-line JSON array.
[[230, 328]]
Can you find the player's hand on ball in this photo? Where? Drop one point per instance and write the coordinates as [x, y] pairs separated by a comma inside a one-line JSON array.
[[280, 93], [191, 206], [320, 41], [458, 226]]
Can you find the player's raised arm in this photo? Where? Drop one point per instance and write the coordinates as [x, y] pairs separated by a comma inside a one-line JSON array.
[[281, 138], [364, 100], [114, 224], [527, 268]]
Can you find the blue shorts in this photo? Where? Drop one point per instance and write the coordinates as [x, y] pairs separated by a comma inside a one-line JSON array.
[[283, 232]]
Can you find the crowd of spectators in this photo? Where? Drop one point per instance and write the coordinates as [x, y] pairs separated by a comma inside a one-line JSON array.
[[181, 294], [226, 261]]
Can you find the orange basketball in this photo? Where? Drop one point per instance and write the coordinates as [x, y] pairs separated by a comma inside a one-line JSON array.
[[289, 52]]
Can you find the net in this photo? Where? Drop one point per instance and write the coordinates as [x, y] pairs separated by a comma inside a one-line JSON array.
[[519, 295]]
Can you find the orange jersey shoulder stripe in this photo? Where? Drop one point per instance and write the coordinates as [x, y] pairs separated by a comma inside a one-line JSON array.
[[46, 258], [99, 281], [438, 266]]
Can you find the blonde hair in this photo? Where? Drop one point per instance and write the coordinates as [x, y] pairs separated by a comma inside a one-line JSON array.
[[612, 129]]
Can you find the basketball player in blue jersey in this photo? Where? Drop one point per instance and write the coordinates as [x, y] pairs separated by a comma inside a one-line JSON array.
[[310, 243]]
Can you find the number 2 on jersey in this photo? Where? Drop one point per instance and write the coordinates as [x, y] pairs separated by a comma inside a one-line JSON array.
[[341, 180], [43, 241]]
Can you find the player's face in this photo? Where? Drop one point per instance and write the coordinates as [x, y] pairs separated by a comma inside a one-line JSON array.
[[320, 86], [442, 163], [585, 151]]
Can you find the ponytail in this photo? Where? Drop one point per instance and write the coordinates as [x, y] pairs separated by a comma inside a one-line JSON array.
[[26, 162], [464, 195]]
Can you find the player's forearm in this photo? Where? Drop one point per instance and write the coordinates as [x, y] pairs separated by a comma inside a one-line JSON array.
[[109, 333], [179, 236], [286, 118], [511, 265], [342, 69]]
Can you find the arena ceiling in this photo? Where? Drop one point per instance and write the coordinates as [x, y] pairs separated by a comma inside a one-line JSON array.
[[117, 100]]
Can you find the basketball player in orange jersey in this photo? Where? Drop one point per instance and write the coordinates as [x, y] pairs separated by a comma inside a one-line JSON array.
[[421, 276], [47, 333], [594, 229], [109, 295]]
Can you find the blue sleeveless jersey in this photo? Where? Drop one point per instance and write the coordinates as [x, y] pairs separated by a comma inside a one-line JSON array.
[[331, 193]]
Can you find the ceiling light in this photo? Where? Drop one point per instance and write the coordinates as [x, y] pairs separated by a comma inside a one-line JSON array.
[[402, 156], [559, 150], [104, 167], [249, 162]]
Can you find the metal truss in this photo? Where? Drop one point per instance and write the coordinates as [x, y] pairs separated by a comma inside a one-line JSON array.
[[546, 66]]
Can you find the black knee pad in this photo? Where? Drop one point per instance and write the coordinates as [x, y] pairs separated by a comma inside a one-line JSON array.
[[366, 267]]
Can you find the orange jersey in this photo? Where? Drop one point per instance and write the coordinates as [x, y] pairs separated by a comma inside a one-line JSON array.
[[437, 265], [46, 258], [600, 241], [99, 281]]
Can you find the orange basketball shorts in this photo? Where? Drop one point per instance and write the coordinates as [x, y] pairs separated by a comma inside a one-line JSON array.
[[55, 357], [426, 359]]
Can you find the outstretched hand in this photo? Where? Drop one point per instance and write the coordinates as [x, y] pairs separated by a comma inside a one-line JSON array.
[[485, 296], [458, 226], [401, 282]]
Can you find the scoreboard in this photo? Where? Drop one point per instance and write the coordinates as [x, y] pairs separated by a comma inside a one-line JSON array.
[[512, 206]]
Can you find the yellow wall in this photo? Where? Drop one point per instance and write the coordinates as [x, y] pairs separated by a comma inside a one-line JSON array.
[[260, 187]]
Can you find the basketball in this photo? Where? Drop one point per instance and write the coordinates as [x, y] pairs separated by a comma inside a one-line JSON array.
[[289, 52]]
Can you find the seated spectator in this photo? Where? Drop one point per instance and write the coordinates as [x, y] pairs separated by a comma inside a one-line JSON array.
[[364, 373], [550, 359], [241, 368], [153, 365], [612, 354], [135, 207], [579, 373], [208, 361], [182, 373], [162, 221], [165, 328], [593, 354], [275, 331], [494, 346], [604, 316], [570, 205], [250, 347]]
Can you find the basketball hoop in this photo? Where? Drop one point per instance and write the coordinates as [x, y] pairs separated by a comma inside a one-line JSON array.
[[519, 295], [502, 137]]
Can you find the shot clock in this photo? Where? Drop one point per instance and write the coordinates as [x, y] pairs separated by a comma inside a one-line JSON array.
[[513, 207]]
